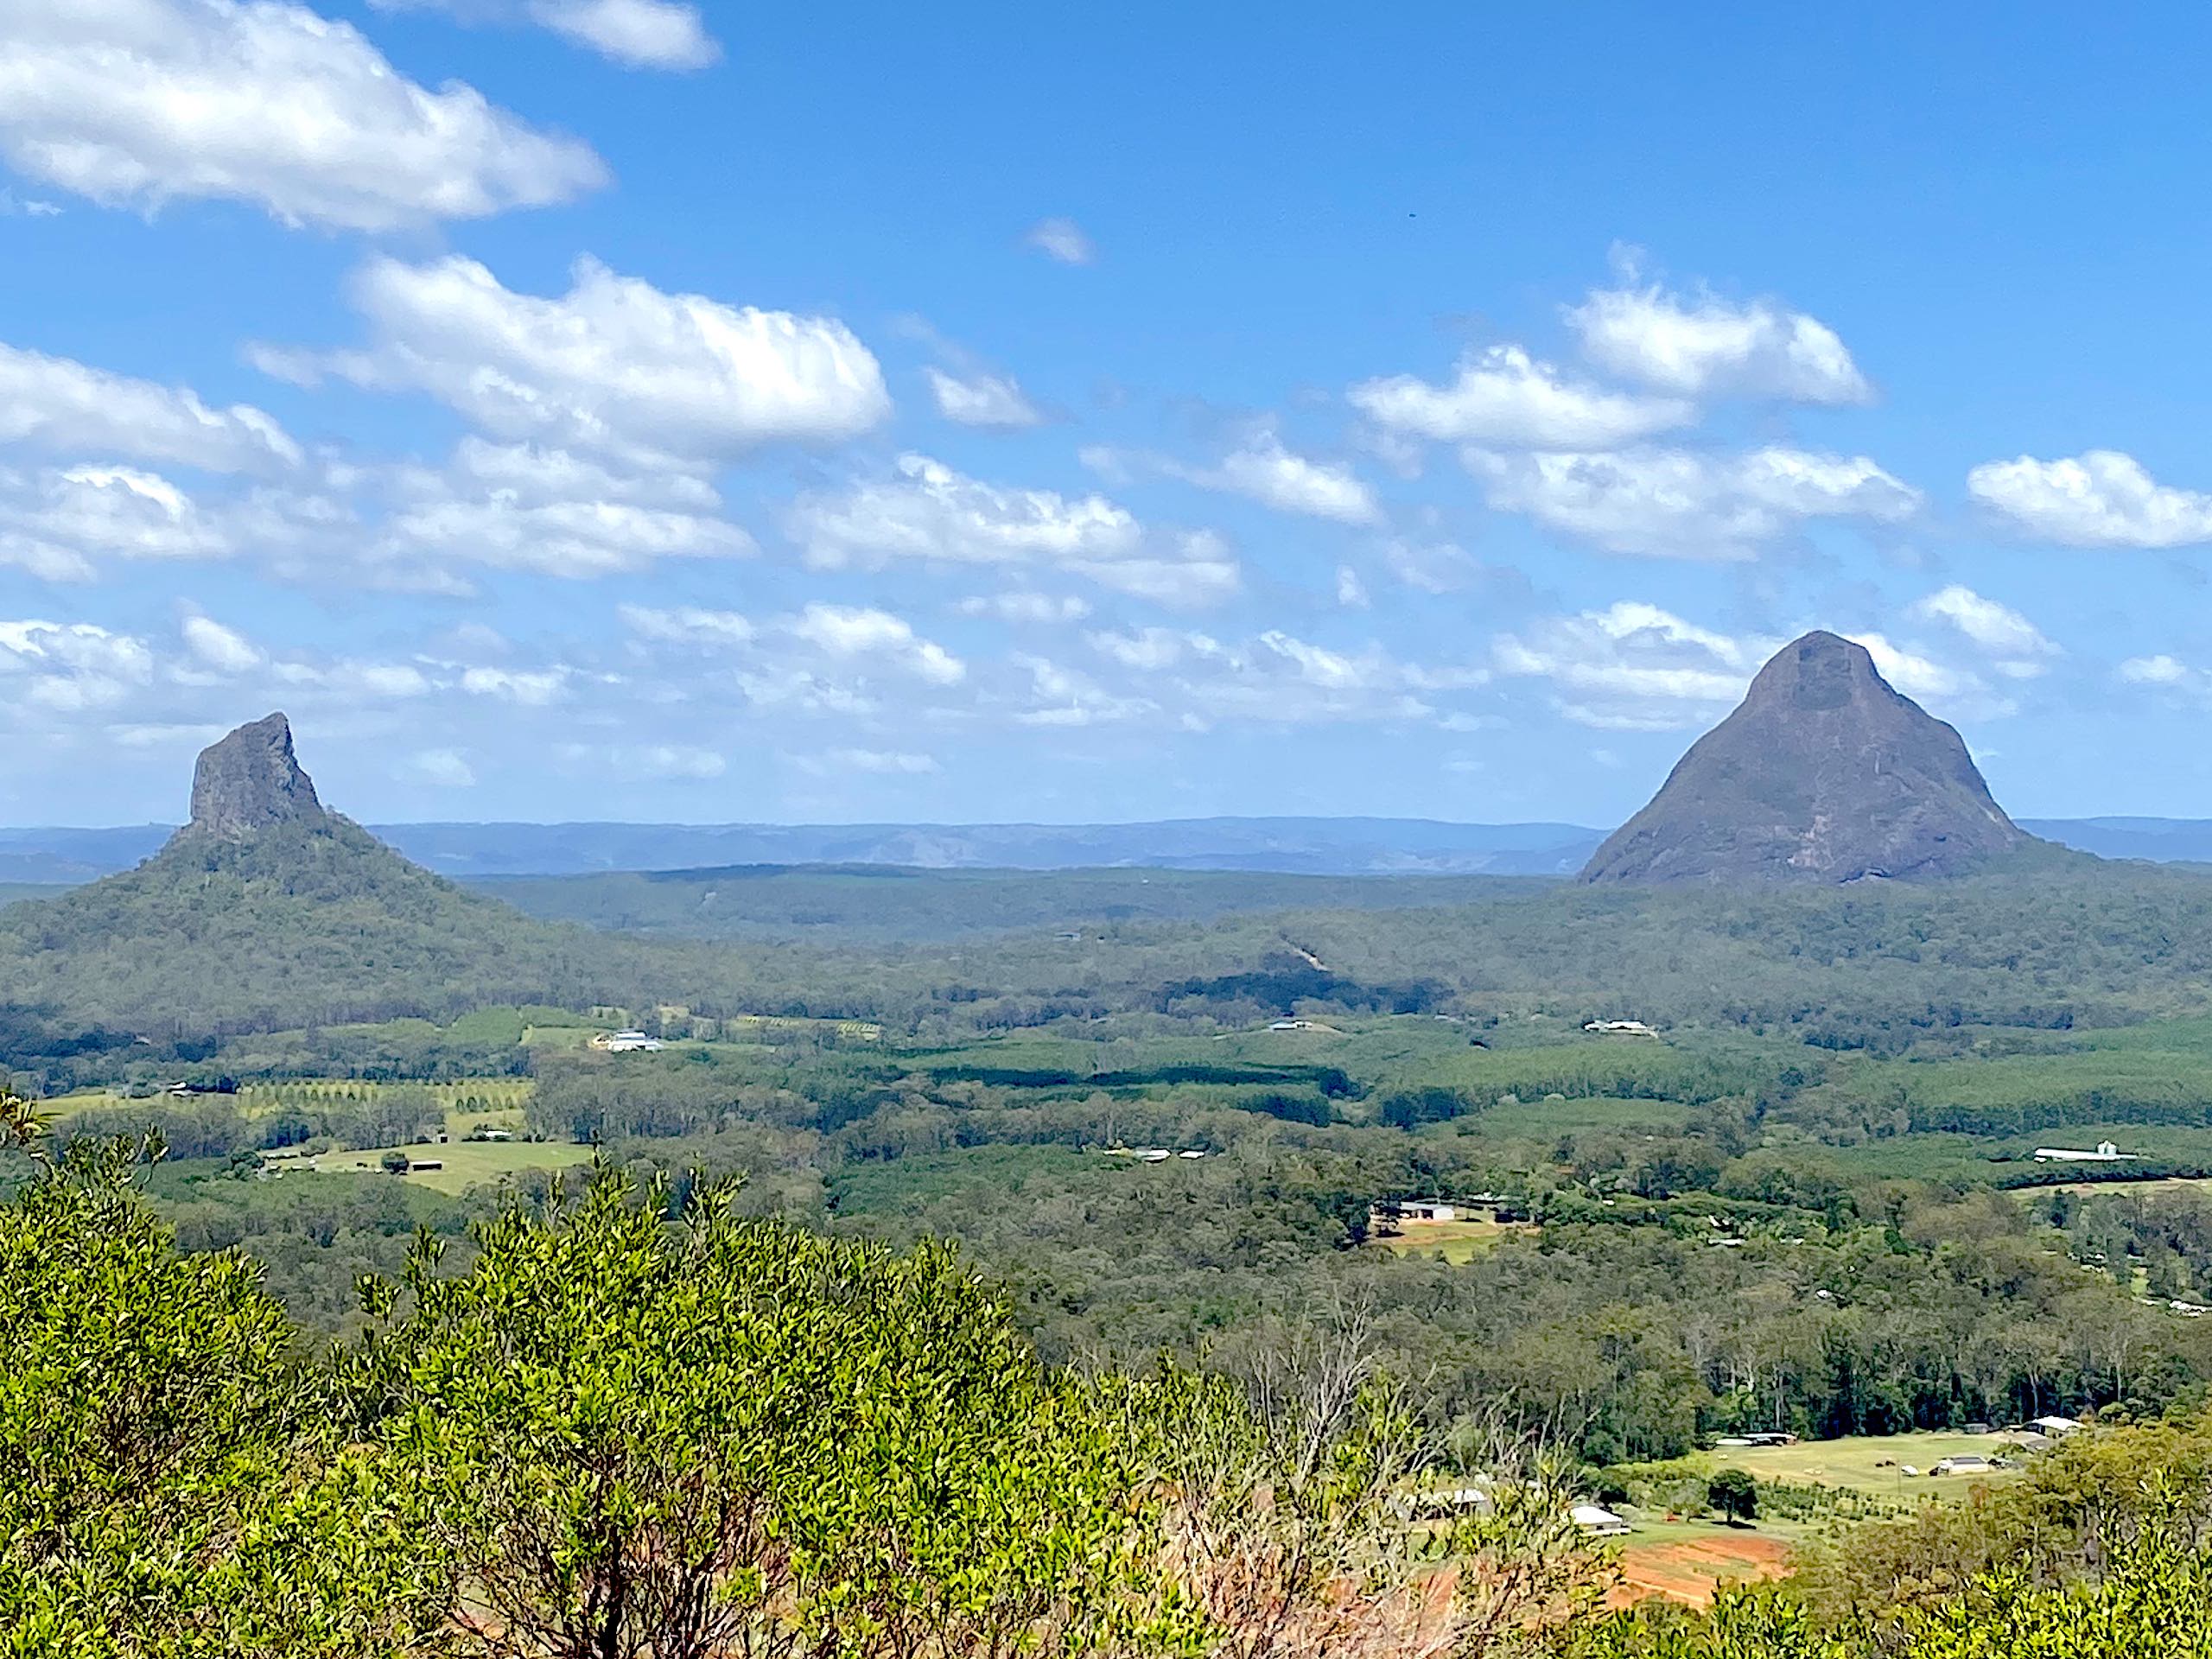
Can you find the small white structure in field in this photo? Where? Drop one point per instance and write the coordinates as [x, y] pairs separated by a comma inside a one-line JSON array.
[[1423, 1210], [1965, 1464], [2106, 1154], [1620, 1028], [2057, 1427], [1599, 1522], [628, 1042]]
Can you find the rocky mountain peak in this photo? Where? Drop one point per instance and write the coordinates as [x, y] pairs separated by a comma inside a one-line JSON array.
[[1825, 773], [250, 780]]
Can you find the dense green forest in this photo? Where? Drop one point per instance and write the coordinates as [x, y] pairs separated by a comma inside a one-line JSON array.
[[304, 928], [633, 1419], [1802, 1198], [879, 904]]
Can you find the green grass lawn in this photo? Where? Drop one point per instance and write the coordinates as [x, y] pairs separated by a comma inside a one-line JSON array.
[[1873, 1465], [560, 1036], [1458, 1242], [466, 1164]]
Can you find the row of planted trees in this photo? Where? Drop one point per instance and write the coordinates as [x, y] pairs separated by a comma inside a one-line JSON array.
[[634, 1430]]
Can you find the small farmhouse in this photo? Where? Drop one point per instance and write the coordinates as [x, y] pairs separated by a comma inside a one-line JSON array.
[[1599, 1522]]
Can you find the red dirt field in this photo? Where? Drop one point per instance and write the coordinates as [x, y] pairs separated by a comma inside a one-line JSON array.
[[1689, 1570]]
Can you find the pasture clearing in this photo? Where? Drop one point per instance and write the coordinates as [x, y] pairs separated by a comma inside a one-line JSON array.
[[1458, 1242], [466, 1163], [1873, 1465]]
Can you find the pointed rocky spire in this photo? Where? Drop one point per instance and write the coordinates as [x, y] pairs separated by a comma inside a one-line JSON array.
[[249, 781]]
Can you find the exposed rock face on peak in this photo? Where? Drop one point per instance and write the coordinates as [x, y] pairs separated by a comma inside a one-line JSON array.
[[250, 781], [1824, 774]]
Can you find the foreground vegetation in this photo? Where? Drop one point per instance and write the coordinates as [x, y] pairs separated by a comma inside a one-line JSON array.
[[638, 1422], [634, 1425]]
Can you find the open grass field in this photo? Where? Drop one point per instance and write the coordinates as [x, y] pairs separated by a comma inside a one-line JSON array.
[[2078, 1189], [1871, 1465], [1457, 1241], [466, 1164], [1685, 1560]]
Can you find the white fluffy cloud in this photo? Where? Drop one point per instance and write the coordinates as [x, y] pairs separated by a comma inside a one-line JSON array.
[[525, 688], [641, 33], [409, 527], [71, 668], [688, 625], [1197, 570], [926, 510], [1916, 674], [139, 102], [579, 539], [2019, 648], [61, 405], [822, 660], [516, 507], [987, 400], [1273, 677], [2169, 675], [847, 631], [530, 473], [1263, 471], [2099, 499], [1062, 240], [1632, 666], [1676, 504], [1710, 348], [2161, 670], [613, 367], [349, 681], [1039, 609], [1505, 397], [64, 525], [218, 649], [1061, 696]]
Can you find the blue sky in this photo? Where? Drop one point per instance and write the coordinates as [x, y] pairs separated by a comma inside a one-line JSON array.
[[623, 408]]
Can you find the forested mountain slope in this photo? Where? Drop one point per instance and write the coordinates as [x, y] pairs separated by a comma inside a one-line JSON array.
[[305, 923]]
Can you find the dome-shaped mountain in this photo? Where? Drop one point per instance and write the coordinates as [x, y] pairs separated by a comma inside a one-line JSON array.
[[1824, 774]]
